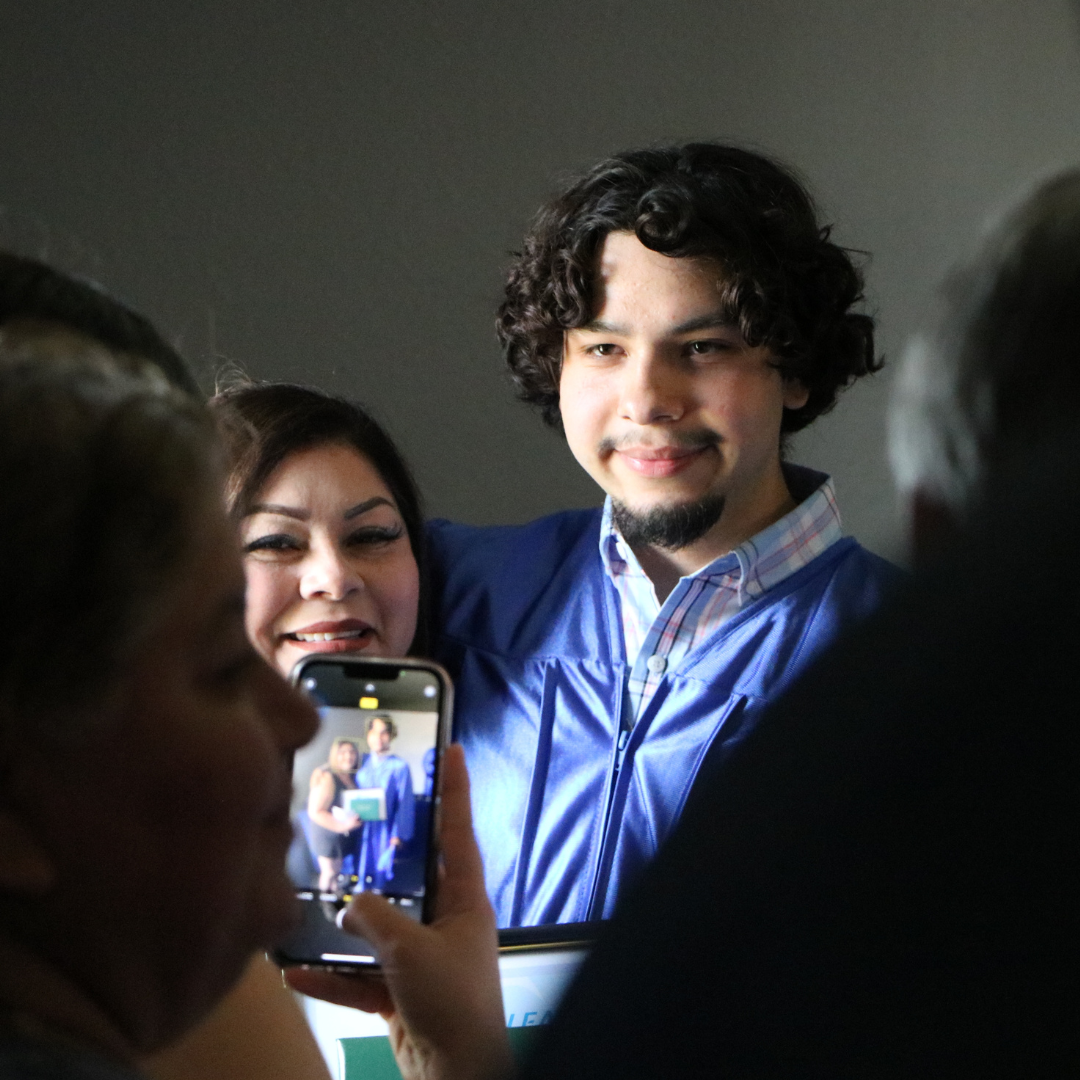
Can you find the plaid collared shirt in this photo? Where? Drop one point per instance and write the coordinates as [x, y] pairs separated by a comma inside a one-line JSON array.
[[657, 637]]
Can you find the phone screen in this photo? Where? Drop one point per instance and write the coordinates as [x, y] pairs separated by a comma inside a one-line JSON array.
[[364, 804]]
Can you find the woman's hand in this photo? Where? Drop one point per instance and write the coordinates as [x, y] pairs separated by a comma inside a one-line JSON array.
[[439, 986]]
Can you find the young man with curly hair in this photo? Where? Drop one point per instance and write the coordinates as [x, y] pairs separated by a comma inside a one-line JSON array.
[[676, 312]]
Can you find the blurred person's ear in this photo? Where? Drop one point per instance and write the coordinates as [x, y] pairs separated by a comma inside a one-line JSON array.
[[932, 528], [25, 866]]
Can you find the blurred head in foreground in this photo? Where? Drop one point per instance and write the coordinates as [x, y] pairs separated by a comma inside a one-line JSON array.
[[145, 748], [35, 296], [998, 373]]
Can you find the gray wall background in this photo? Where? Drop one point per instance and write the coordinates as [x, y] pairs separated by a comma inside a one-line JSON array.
[[327, 191]]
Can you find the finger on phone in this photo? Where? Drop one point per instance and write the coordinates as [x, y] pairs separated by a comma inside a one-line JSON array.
[[374, 918], [463, 868], [366, 992]]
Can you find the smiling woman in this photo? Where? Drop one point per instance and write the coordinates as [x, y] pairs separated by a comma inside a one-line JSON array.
[[328, 830], [330, 523]]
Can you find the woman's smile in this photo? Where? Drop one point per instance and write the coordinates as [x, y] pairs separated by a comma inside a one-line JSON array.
[[345, 635], [328, 561]]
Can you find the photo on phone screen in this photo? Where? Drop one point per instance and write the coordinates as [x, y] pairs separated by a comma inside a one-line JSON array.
[[364, 790]]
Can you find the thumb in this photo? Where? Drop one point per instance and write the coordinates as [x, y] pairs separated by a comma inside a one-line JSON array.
[[461, 887], [375, 918]]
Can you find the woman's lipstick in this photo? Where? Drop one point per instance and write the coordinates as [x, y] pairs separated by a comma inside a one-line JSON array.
[[331, 636]]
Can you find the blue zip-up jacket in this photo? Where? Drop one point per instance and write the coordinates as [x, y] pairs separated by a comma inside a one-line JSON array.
[[566, 812]]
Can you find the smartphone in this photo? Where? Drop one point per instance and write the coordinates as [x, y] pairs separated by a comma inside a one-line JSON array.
[[365, 799]]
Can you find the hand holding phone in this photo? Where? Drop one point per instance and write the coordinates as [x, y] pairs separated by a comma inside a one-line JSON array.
[[366, 799], [439, 989]]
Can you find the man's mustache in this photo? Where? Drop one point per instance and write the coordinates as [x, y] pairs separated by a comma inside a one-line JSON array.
[[692, 439]]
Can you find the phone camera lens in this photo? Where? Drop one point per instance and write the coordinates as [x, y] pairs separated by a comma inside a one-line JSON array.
[[309, 684]]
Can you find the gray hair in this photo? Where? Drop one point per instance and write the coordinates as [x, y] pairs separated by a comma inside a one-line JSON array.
[[104, 470], [1002, 365], [35, 293]]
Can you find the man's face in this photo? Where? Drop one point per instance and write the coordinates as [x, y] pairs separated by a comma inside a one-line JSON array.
[[378, 737], [663, 403]]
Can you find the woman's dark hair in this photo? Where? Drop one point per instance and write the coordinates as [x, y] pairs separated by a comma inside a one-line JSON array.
[[337, 744], [786, 285], [33, 292], [264, 423]]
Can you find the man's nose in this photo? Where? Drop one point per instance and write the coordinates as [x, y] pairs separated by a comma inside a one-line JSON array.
[[653, 392]]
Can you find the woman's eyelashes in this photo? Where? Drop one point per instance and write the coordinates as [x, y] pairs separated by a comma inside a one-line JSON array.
[[373, 535], [273, 542], [285, 544]]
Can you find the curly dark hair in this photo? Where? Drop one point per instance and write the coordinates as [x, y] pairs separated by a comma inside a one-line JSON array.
[[787, 285]]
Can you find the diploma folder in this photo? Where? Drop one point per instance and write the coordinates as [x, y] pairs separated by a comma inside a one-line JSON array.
[[367, 803]]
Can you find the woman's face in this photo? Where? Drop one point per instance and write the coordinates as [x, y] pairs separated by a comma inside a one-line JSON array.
[[345, 758], [167, 825], [328, 562]]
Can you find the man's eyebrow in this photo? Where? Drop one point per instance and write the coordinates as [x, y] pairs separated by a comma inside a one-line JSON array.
[[281, 511], [366, 505], [713, 321], [599, 326]]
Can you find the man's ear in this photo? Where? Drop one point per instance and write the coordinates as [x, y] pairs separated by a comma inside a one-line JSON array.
[[25, 867], [795, 394]]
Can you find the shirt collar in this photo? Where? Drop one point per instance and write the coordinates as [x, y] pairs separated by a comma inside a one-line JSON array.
[[769, 556]]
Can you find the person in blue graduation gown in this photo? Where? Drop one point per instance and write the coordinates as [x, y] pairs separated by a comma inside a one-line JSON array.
[[676, 313], [429, 772], [380, 840]]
